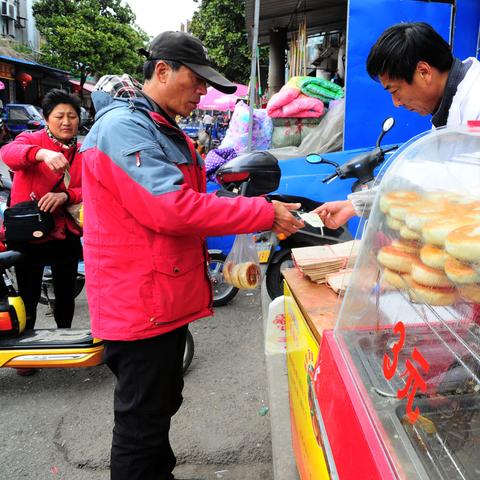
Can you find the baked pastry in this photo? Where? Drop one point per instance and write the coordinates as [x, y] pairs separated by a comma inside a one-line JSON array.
[[459, 272], [433, 256], [400, 197], [227, 271], [395, 259], [399, 211], [393, 223], [470, 292], [428, 276], [409, 234], [408, 246], [245, 275], [416, 217], [234, 276], [397, 280], [436, 232], [464, 243], [431, 295], [248, 275]]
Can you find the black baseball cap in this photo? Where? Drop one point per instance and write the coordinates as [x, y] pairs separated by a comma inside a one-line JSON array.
[[189, 51]]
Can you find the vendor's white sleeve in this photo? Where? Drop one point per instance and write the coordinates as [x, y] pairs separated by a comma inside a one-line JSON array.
[[362, 201]]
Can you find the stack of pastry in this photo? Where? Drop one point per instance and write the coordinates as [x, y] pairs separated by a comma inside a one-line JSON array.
[[436, 256], [245, 275]]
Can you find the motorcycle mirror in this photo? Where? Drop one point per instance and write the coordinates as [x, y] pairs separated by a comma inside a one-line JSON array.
[[314, 158], [387, 125]]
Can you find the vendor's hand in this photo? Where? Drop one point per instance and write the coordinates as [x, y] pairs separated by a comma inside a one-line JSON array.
[[55, 161], [335, 214], [285, 223], [51, 201]]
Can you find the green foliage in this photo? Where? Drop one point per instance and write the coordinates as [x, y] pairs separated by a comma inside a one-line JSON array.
[[89, 36], [220, 25]]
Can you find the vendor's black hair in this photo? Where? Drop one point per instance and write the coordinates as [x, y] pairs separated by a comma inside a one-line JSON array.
[[399, 49], [55, 97], [149, 67]]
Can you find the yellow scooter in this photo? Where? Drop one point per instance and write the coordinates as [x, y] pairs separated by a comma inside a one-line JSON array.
[[47, 348], [38, 348]]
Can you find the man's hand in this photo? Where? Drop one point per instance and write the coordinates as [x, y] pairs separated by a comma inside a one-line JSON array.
[[55, 161], [335, 214], [50, 201], [285, 223]]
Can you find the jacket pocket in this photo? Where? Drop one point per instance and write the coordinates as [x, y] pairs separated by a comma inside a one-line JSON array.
[[177, 287]]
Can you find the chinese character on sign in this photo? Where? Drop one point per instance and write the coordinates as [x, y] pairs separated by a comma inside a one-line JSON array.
[[413, 378]]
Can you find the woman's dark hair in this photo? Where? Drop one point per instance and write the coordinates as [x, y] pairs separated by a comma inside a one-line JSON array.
[[149, 67], [56, 97], [399, 49]]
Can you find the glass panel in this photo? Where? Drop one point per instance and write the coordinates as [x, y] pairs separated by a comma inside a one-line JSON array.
[[409, 323], [18, 114]]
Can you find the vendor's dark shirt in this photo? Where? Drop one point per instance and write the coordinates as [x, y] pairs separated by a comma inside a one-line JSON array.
[[455, 76]]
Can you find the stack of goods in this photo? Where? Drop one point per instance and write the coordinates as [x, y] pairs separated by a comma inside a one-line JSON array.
[[302, 100], [320, 88], [339, 281], [289, 132], [435, 256], [291, 102], [318, 262]]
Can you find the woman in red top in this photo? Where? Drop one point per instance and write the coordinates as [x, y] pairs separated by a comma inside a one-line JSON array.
[[39, 160]]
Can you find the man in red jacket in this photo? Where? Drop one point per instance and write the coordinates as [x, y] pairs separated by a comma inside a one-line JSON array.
[[146, 219]]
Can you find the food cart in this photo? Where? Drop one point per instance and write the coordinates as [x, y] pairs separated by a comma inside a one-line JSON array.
[[385, 384]]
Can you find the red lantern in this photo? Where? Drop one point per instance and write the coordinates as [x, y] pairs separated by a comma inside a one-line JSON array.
[[24, 79]]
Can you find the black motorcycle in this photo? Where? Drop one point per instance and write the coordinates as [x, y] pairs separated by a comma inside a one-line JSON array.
[[258, 173]]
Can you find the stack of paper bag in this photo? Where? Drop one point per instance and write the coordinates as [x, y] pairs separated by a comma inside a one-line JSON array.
[[339, 281], [319, 261]]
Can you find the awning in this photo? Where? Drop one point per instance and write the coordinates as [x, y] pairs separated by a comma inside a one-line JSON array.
[[86, 86], [321, 16], [32, 64]]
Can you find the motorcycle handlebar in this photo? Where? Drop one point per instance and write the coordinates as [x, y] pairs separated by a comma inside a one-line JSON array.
[[330, 177]]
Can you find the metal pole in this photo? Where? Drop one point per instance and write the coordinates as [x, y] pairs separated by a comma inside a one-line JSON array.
[[253, 75]]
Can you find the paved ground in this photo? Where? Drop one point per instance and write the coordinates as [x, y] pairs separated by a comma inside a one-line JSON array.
[[57, 424]]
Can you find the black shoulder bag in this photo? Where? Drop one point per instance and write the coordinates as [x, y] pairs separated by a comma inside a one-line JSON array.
[[25, 221]]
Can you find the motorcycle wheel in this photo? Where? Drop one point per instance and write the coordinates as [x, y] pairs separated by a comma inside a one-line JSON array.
[[47, 296], [189, 351], [223, 292]]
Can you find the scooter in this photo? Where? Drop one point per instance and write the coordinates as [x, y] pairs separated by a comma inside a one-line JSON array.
[[362, 167], [258, 173], [46, 348]]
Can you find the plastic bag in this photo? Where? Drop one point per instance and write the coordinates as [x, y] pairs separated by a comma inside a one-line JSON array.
[[237, 133], [241, 268]]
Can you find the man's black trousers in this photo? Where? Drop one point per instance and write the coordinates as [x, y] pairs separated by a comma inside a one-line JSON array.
[[147, 394]]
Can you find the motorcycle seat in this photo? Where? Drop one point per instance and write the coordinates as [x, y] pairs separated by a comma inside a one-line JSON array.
[[9, 258], [51, 338]]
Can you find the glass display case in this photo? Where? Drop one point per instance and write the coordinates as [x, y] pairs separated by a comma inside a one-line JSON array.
[[408, 332]]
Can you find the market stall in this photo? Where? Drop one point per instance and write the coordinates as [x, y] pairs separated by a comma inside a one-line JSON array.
[[394, 390]]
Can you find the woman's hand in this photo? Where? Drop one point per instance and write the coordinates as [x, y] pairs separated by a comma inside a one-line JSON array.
[[55, 161], [50, 201], [335, 214]]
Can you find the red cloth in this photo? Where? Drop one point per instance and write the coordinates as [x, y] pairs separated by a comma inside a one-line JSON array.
[[35, 177]]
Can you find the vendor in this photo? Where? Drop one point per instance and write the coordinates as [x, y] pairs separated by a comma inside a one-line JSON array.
[[416, 66]]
